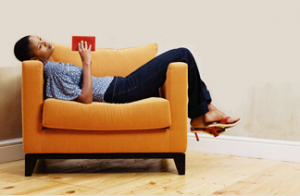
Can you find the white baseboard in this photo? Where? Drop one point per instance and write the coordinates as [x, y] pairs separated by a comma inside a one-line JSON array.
[[11, 150], [246, 147]]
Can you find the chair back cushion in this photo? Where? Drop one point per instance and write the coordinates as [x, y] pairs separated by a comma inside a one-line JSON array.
[[109, 62]]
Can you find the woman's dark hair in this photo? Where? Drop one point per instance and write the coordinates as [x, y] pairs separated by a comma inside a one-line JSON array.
[[22, 49]]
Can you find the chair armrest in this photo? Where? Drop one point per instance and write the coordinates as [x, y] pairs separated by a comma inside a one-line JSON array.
[[32, 104], [175, 90]]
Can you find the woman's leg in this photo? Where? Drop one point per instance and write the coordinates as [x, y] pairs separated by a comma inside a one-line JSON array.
[[146, 80]]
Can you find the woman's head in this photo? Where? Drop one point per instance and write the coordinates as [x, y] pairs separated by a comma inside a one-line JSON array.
[[33, 48]]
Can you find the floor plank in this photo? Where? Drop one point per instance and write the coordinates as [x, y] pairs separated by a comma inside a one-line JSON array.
[[206, 174]]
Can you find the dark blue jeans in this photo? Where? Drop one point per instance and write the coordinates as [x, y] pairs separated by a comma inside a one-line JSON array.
[[147, 79]]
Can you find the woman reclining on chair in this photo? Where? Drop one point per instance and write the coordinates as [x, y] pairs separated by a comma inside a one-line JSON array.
[[79, 84]]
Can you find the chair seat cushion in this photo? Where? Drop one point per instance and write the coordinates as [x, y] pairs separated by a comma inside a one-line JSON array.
[[150, 113]]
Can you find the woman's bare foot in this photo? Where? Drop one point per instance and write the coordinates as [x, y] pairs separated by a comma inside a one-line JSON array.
[[214, 115]]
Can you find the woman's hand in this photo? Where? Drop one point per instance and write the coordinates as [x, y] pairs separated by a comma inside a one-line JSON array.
[[85, 53], [86, 95]]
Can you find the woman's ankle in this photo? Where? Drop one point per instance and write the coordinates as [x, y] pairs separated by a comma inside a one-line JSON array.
[[211, 106], [198, 122]]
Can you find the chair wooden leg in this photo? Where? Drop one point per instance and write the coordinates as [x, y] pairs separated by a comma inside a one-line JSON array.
[[30, 162], [179, 160]]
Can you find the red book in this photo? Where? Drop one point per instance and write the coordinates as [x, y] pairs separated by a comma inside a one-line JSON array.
[[91, 40]]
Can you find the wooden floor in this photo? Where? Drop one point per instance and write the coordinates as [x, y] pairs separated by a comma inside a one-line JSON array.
[[206, 174]]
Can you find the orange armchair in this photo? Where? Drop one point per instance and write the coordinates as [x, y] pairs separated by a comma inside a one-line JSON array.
[[155, 127]]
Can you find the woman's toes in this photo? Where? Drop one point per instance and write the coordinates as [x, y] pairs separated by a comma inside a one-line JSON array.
[[232, 120]]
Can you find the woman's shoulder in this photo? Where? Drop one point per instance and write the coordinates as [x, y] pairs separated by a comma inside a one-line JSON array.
[[49, 64], [52, 67], [52, 63]]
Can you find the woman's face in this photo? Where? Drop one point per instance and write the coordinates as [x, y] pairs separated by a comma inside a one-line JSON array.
[[40, 48]]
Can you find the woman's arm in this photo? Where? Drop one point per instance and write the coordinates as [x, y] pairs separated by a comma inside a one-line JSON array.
[[86, 95]]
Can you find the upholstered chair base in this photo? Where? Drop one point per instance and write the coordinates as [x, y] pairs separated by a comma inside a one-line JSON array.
[[179, 158]]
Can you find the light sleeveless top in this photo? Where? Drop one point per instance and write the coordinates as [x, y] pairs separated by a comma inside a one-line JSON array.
[[64, 81]]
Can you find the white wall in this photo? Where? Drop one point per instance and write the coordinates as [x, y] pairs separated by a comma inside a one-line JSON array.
[[247, 51]]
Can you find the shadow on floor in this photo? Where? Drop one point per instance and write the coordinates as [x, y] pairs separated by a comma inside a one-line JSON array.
[[105, 166]]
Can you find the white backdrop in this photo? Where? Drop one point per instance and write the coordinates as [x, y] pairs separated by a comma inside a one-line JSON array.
[[247, 51]]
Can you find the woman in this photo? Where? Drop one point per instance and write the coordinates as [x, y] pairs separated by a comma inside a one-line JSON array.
[[69, 82]]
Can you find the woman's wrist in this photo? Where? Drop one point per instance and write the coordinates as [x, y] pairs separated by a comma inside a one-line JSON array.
[[86, 63]]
